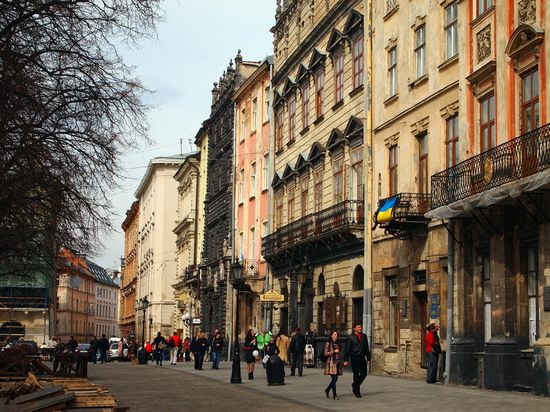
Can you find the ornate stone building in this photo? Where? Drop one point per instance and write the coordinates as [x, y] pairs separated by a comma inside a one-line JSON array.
[[315, 245], [216, 261], [188, 249], [252, 178], [129, 269], [497, 201], [106, 301], [415, 127]]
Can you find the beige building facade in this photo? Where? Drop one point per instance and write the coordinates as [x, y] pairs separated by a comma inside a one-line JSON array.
[[315, 245], [158, 198], [129, 270]]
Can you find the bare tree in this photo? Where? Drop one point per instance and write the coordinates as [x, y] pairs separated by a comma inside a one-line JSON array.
[[69, 107]]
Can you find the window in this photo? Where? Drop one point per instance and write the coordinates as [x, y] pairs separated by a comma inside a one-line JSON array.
[[243, 124], [451, 29], [357, 173], [278, 210], [265, 172], [338, 171], [254, 114], [530, 117], [320, 93], [241, 245], [265, 229], [339, 78], [358, 62], [423, 177], [305, 106], [420, 51], [532, 285], [451, 141], [241, 186], [393, 170], [392, 70], [318, 192], [304, 195], [279, 130], [266, 104], [487, 123], [253, 179], [252, 250], [486, 268], [392, 294], [291, 200], [292, 119], [483, 6]]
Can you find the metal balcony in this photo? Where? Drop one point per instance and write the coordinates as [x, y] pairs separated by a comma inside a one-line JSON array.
[[345, 216], [400, 215], [516, 159]]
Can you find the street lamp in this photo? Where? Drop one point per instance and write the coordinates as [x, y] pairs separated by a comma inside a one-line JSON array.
[[301, 277], [238, 284], [144, 306], [283, 283]]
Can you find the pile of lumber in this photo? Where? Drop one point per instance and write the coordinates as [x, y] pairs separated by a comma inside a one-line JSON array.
[[56, 394]]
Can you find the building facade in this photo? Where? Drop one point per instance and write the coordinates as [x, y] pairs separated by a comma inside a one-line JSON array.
[[129, 269], [216, 261], [497, 201], [157, 196], [106, 302], [252, 178], [415, 121], [188, 254], [76, 298], [315, 245]]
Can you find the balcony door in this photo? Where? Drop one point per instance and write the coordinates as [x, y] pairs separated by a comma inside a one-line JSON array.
[[423, 176], [530, 120]]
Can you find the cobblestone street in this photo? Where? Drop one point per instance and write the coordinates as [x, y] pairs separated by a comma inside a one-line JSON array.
[[181, 388]]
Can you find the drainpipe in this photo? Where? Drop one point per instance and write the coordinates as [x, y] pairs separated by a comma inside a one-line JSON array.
[[367, 164], [450, 301], [270, 171]]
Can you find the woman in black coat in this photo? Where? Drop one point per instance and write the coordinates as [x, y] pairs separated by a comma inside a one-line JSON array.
[[249, 347]]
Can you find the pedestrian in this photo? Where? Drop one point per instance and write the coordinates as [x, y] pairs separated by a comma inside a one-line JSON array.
[[199, 346], [271, 348], [103, 346], [433, 349], [334, 366], [187, 349], [216, 349], [93, 349], [358, 352], [159, 344], [72, 344], [297, 347], [249, 347], [149, 350], [174, 343]]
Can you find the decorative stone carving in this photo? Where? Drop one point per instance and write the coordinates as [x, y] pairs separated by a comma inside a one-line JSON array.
[[392, 140], [527, 11], [420, 127], [484, 44], [449, 110]]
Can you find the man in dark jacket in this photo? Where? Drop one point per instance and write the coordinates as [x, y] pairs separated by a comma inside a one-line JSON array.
[[216, 349], [72, 344], [93, 350], [297, 347], [103, 346], [358, 352], [159, 343]]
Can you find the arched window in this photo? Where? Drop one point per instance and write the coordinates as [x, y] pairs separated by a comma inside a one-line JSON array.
[[358, 277], [321, 285]]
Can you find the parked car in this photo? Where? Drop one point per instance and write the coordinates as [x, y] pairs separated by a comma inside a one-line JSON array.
[[85, 347], [30, 347], [113, 352]]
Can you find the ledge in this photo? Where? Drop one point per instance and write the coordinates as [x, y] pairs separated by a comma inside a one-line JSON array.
[[337, 105], [419, 81], [391, 99], [304, 130], [356, 91], [482, 16], [391, 12], [449, 62], [278, 152], [290, 142], [319, 120]]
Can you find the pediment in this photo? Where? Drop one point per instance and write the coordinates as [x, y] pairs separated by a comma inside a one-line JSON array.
[[301, 162], [289, 86], [354, 129], [303, 73], [335, 40], [335, 139], [523, 40], [353, 23], [317, 58], [277, 180], [277, 98], [289, 171], [317, 151]]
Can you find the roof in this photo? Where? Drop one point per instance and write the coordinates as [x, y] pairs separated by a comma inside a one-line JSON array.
[[101, 275]]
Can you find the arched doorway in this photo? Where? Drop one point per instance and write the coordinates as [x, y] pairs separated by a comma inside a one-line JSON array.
[[11, 329]]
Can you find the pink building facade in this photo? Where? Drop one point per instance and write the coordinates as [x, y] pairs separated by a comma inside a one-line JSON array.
[[252, 181]]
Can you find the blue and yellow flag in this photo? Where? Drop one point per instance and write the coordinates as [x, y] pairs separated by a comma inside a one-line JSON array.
[[385, 212]]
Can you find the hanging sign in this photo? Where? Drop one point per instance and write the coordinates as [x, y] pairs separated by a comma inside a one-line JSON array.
[[272, 296]]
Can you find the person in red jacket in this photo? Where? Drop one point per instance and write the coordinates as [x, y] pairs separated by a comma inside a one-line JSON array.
[[149, 349], [433, 349], [174, 343]]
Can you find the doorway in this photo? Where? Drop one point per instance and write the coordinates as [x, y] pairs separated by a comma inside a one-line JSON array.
[[419, 323]]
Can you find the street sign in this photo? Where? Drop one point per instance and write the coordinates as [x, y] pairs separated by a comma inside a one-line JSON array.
[[272, 296], [196, 321]]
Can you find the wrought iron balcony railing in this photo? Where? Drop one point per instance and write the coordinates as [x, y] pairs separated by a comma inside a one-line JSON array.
[[516, 159], [402, 207], [341, 216]]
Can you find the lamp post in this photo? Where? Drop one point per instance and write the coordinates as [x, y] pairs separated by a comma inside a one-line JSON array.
[[238, 283], [144, 306]]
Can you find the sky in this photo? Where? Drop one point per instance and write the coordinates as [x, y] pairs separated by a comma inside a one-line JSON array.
[[194, 44]]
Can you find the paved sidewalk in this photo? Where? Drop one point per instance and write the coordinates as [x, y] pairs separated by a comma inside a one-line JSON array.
[[380, 393]]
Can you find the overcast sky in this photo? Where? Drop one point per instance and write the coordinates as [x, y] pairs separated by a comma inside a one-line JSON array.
[[194, 46]]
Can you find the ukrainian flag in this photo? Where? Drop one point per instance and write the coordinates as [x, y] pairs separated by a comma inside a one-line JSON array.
[[386, 210]]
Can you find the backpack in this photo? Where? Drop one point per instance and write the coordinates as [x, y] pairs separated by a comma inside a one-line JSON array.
[[171, 343]]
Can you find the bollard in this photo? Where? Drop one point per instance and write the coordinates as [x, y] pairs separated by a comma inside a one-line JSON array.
[[142, 356], [275, 371]]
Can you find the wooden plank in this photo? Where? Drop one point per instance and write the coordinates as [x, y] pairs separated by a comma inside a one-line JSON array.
[[37, 395], [50, 402]]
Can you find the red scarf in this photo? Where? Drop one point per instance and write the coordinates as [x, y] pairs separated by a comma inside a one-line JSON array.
[[359, 336]]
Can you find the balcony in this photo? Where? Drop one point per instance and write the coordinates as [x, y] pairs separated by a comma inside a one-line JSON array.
[[337, 220], [402, 215], [513, 161]]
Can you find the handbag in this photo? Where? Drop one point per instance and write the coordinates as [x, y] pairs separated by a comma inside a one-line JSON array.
[[265, 359]]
